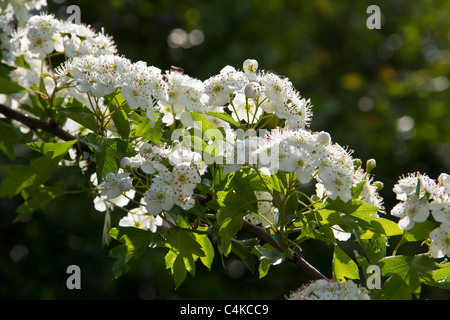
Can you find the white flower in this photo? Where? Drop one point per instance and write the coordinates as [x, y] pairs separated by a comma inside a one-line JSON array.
[[138, 218], [275, 87], [369, 193], [97, 75], [41, 36], [184, 199], [440, 208], [218, 89], [440, 241], [444, 180], [295, 109], [250, 67], [244, 109], [336, 172], [185, 178], [265, 208], [114, 184], [159, 198], [330, 290], [103, 204], [411, 211], [408, 185]]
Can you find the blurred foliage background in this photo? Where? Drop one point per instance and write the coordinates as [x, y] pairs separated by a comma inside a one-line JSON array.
[[383, 93]]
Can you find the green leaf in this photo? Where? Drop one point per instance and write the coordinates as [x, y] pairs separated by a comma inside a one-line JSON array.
[[365, 216], [8, 87], [206, 247], [9, 135], [183, 251], [356, 190], [108, 153], [80, 113], [56, 151], [441, 276], [27, 176], [5, 70], [343, 266], [291, 205], [267, 251], [420, 231], [238, 247], [38, 200], [119, 116], [124, 254], [134, 243], [405, 273], [146, 132], [264, 266], [374, 248], [224, 116], [204, 124], [230, 220]]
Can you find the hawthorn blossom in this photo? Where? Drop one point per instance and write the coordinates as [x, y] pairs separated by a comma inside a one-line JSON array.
[[41, 36], [138, 218], [440, 208], [408, 185], [250, 66], [159, 198], [275, 87], [336, 173], [330, 290], [114, 184], [185, 178], [413, 210], [440, 241], [244, 109], [265, 208], [295, 109]]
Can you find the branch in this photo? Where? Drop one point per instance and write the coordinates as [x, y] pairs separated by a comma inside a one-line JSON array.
[[34, 123], [296, 258]]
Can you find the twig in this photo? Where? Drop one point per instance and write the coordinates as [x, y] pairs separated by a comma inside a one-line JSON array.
[[295, 259], [34, 123]]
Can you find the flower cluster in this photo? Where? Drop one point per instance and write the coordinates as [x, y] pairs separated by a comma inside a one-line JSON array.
[[330, 290], [39, 37], [419, 197], [266, 210], [44, 34], [167, 175], [311, 156], [173, 94]]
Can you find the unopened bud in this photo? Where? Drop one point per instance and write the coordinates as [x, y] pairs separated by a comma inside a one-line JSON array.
[[125, 162], [250, 65], [252, 90], [357, 163], [125, 184], [379, 185], [370, 165], [324, 137]]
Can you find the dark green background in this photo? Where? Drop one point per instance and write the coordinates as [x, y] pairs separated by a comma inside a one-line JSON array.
[[329, 54]]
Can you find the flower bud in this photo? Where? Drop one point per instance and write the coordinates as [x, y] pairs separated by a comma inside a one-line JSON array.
[[250, 65], [379, 185], [125, 162], [357, 163], [252, 90], [126, 184], [370, 165], [324, 137]]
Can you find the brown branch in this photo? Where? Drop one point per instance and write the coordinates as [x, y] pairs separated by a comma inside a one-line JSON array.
[[295, 259], [34, 123]]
